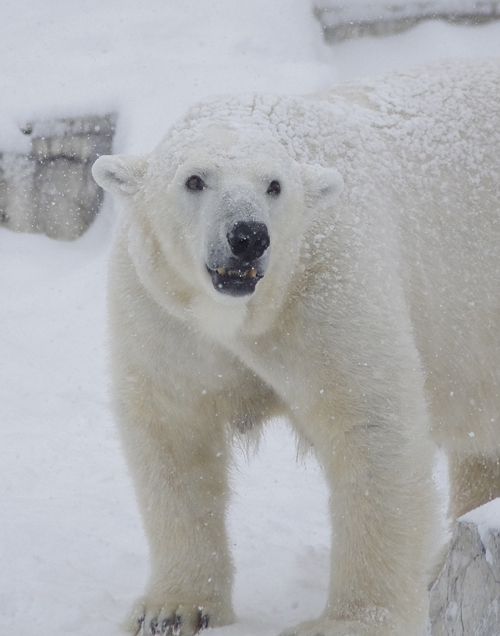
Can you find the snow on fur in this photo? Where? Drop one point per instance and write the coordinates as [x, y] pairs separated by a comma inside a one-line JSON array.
[[365, 315]]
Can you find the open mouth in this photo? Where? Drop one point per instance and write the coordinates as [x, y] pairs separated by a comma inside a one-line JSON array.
[[235, 282]]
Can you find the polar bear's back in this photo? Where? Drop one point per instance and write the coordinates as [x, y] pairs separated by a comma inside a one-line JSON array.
[[420, 155], [438, 160], [415, 108]]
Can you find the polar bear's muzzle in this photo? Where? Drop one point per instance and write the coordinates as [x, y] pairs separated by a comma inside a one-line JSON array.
[[244, 267]]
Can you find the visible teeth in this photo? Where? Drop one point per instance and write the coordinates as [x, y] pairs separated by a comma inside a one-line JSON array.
[[251, 273]]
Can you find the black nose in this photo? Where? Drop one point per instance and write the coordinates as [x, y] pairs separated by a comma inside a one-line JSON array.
[[248, 239]]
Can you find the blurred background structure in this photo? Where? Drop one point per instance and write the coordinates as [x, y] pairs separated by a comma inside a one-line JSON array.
[[51, 190], [360, 18]]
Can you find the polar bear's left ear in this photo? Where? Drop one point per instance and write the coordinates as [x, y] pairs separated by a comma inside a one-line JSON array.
[[119, 174], [322, 186]]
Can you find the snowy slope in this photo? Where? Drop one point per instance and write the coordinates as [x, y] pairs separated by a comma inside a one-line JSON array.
[[73, 554]]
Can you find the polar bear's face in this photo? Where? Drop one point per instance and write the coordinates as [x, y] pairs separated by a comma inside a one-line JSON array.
[[235, 211], [229, 210]]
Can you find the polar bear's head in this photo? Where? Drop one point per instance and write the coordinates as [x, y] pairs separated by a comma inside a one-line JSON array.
[[227, 207]]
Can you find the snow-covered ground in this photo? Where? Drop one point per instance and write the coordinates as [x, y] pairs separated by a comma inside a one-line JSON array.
[[73, 554]]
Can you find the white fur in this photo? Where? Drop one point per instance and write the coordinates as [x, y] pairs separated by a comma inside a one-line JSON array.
[[375, 329]]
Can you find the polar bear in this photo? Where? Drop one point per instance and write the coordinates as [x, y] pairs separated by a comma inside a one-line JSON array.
[[335, 260]]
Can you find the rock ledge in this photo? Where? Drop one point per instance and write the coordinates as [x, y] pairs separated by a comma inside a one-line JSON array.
[[465, 600]]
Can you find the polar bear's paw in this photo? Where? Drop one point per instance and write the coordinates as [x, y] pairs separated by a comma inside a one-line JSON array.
[[331, 627], [187, 619]]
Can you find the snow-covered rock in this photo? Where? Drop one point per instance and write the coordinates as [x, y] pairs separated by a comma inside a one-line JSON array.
[[465, 600], [51, 190], [346, 20]]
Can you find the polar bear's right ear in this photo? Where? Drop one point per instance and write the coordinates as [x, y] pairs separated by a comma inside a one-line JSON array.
[[323, 186], [119, 174]]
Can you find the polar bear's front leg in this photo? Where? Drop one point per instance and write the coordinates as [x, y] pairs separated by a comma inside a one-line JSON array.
[[177, 452], [383, 515]]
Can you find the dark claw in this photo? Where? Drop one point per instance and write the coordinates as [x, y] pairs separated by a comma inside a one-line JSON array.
[[153, 627], [176, 630], [205, 619], [168, 622]]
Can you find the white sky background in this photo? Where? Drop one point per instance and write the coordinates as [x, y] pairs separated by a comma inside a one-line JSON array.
[[72, 551]]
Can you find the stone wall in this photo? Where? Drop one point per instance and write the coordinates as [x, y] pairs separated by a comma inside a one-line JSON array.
[[51, 190]]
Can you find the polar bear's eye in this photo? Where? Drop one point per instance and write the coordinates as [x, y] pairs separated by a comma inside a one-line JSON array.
[[195, 183], [274, 188]]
